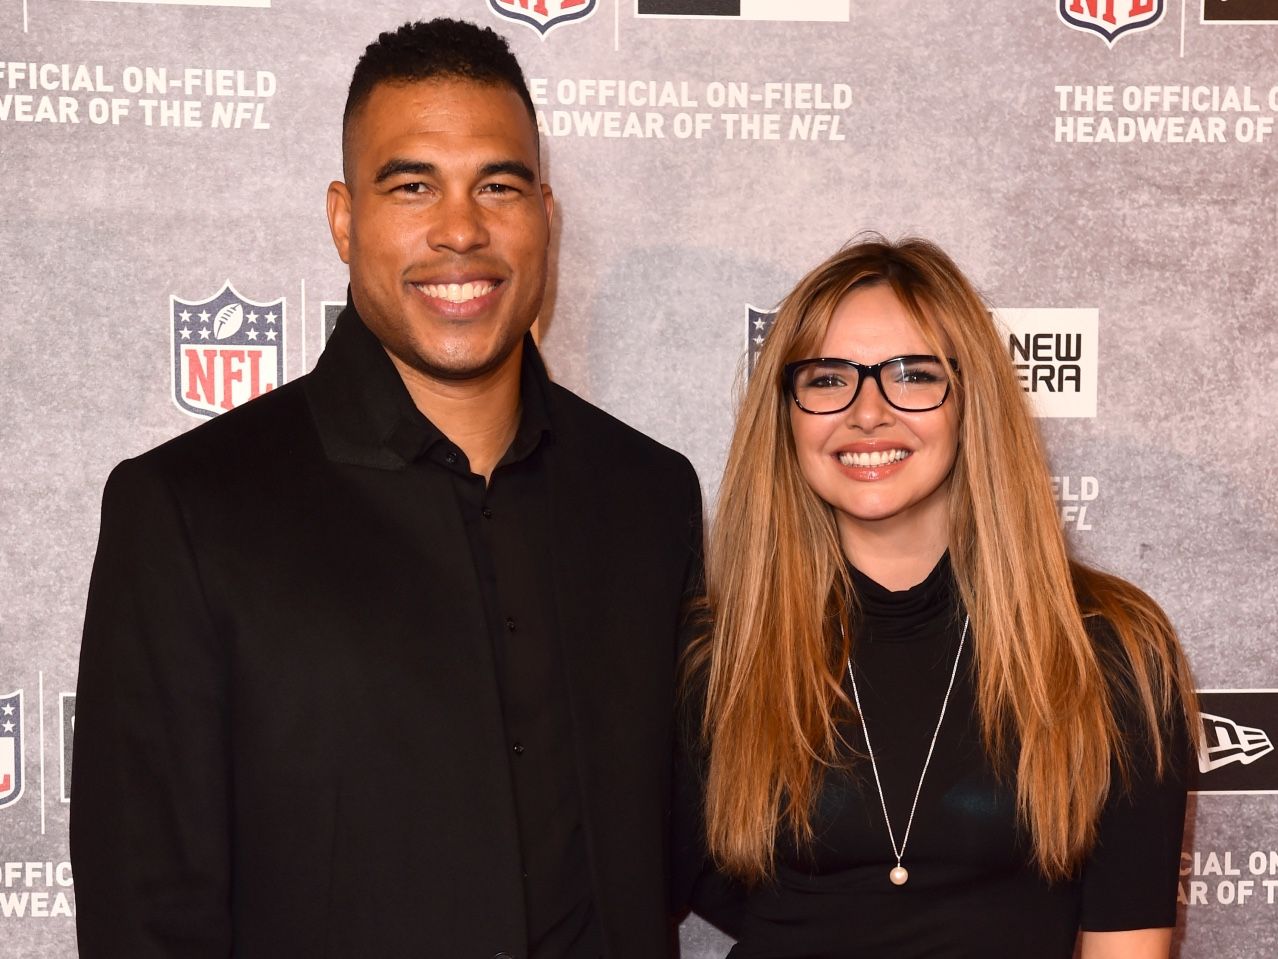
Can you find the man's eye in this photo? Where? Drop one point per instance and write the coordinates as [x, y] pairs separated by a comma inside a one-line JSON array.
[[414, 187], [497, 189]]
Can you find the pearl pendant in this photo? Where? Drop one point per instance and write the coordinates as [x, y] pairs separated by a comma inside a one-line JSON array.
[[899, 875]]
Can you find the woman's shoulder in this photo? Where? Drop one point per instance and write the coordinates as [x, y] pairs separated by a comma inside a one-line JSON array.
[[1127, 626], [1100, 593]]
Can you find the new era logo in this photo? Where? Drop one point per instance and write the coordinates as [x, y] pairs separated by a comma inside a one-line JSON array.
[[1055, 352], [1225, 741], [826, 11], [1240, 11], [1235, 741]]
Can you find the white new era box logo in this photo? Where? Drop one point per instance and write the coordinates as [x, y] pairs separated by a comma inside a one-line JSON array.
[[1055, 354], [818, 11]]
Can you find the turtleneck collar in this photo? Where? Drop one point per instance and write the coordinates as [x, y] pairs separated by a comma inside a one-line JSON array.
[[921, 611]]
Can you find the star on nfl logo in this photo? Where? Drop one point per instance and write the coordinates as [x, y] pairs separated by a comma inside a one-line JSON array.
[[227, 350], [758, 325], [543, 15], [10, 748]]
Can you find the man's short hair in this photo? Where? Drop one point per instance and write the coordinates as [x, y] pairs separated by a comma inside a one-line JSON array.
[[440, 49]]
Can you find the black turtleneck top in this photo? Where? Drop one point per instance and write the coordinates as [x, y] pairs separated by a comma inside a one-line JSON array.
[[972, 889]]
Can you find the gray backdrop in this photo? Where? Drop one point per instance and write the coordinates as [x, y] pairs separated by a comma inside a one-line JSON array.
[[1110, 186]]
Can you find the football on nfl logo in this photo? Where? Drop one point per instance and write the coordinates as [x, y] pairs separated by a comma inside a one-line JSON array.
[[227, 350], [1110, 19], [544, 15], [10, 748]]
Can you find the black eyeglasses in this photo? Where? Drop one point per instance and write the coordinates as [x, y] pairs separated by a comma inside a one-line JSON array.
[[912, 384]]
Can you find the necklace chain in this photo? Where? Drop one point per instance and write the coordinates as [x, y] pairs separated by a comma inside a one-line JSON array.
[[899, 875]]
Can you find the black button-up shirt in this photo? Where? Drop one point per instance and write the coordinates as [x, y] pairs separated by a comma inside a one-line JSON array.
[[509, 534]]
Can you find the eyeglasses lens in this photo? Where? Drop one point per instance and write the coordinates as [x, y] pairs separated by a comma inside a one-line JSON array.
[[909, 383]]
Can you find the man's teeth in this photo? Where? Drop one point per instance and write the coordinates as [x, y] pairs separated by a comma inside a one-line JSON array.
[[456, 292], [877, 458]]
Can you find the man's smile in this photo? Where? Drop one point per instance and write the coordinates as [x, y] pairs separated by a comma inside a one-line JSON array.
[[457, 292]]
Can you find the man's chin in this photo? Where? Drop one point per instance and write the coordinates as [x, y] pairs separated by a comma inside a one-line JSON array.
[[462, 366]]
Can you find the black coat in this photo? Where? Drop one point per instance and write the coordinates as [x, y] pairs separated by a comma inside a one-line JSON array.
[[281, 750]]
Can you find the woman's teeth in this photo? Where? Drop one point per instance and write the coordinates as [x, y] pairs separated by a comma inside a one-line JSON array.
[[877, 458]]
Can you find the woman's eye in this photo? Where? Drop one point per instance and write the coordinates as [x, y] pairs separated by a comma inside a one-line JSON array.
[[918, 374], [825, 381]]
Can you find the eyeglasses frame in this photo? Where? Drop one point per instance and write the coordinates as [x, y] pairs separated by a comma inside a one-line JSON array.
[[864, 371]]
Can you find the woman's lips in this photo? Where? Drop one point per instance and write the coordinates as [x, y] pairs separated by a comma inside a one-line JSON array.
[[872, 458]]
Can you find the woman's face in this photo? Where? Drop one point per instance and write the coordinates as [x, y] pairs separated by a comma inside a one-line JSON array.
[[906, 494]]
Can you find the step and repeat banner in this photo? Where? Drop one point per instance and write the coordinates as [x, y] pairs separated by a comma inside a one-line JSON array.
[[1105, 170]]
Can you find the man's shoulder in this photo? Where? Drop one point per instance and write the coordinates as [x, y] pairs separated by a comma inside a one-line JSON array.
[[588, 425], [273, 425]]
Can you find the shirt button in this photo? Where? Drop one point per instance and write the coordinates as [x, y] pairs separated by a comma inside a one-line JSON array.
[[510, 624], [486, 513], [450, 457], [519, 749]]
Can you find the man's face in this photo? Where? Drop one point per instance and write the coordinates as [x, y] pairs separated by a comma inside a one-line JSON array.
[[445, 224]]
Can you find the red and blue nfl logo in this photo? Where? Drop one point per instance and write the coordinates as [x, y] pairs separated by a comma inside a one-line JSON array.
[[1110, 19], [10, 748], [227, 350], [543, 15]]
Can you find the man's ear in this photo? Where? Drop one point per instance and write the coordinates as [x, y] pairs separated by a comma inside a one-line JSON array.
[[548, 200], [339, 218]]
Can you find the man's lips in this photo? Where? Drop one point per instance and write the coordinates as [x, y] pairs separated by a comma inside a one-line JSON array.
[[459, 297], [458, 291]]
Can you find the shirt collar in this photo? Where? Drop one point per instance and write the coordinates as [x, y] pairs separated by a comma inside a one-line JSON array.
[[364, 412]]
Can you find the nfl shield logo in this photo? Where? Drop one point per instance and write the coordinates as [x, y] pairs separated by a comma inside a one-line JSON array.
[[68, 738], [758, 325], [227, 350], [330, 310], [544, 15], [1110, 18], [10, 748]]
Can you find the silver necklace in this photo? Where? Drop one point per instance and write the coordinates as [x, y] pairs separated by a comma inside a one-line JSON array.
[[900, 874]]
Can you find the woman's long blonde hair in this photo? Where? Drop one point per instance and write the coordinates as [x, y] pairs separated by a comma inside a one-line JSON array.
[[778, 592]]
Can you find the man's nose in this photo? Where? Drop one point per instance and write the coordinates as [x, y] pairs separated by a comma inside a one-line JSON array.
[[459, 225]]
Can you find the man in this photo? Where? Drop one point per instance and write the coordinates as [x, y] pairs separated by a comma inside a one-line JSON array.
[[381, 664]]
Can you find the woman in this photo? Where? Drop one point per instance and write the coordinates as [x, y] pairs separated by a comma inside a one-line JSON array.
[[925, 730]]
